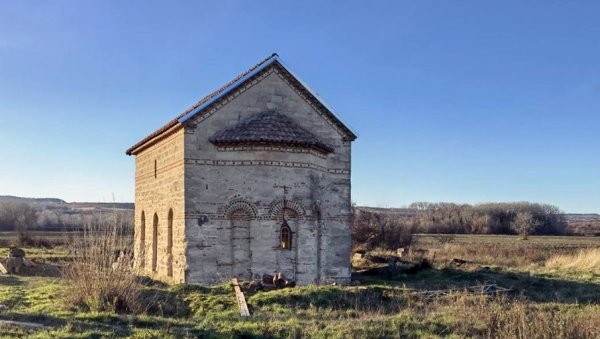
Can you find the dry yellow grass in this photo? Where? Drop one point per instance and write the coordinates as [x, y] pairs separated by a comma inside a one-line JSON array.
[[542, 306], [586, 259], [93, 283]]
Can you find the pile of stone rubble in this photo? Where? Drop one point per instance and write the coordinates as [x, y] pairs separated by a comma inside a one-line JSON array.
[[269, 282], [15, 261]]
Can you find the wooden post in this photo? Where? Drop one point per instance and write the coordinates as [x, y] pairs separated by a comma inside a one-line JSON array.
[[244, 312], [28, 262]]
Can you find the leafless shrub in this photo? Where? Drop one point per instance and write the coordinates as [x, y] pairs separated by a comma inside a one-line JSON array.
[[489, 218], [94, 283], [19, 216], [379, 230]]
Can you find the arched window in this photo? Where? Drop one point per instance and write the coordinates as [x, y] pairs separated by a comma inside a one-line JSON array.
[[154, 242], [285, 236], [142, 249], [170, 244]]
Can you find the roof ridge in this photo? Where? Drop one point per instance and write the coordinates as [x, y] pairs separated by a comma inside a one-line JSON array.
[[224, 87]]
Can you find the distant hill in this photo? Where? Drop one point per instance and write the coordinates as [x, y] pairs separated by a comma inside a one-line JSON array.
[[103, 205], [35, 201], [55, 202], [400, 212], [582, 217], [584, 224], [57, 215]]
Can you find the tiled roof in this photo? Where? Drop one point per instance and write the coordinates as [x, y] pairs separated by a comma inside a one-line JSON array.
[[269, 128], [175, 121], [224, 90]]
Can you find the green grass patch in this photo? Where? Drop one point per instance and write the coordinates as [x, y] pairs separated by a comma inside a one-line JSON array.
[[545, 302]]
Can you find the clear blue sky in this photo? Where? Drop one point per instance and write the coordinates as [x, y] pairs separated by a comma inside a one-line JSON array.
[[462, 101]]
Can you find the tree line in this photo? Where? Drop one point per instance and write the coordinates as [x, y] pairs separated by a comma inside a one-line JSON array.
[[489, 218], [394, 227], [376, 227], [22, 218]]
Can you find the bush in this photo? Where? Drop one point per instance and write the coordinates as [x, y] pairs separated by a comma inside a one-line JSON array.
[[379, 230], [448, 218], [93, 283], [41, 242]]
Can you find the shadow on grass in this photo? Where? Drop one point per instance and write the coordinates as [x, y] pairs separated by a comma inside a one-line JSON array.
[[42, 270], [307, 302], [533, 287], [10, 280], [109, 324], [103, 323]]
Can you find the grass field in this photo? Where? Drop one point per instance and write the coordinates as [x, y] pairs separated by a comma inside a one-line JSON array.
[[545, 301]]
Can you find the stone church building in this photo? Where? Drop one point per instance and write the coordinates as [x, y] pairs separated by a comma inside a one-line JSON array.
[[252, 179]]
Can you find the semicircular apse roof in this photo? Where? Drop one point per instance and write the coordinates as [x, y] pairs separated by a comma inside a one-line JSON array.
[[269, 128]]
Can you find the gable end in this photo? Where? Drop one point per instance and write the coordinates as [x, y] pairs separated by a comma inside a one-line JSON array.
[[212, 102]]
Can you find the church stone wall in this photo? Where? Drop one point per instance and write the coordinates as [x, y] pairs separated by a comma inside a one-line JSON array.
[[159, 189], [235, 196]]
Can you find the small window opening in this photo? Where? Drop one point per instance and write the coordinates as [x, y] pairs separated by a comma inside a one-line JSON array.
[[285, 236], [155, 169]]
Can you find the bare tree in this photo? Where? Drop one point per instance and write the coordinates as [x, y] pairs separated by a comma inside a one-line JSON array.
[[524, 224], [372, 229], [21, 216], [487, 218]]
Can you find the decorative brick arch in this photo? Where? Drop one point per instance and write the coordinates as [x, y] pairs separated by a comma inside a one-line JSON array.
[[237, 235], [240, 204], [278, 205]]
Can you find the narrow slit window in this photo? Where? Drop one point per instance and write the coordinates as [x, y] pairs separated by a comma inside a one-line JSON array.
[[285, 236], [155, 169]]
